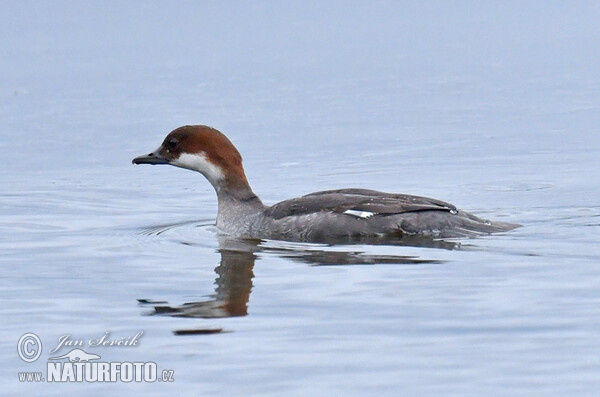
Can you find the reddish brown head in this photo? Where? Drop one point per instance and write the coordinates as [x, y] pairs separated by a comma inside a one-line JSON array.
[[203, 149]]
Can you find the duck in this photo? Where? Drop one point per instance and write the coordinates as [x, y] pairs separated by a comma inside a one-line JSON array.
[[323, 216]]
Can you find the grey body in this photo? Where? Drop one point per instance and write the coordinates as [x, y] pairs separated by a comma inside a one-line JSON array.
[[321, 216]]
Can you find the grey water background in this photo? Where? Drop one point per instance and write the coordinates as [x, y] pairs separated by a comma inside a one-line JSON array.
[[494, 107]]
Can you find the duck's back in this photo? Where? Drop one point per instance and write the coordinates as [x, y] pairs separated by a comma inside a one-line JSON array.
[[361, 212]]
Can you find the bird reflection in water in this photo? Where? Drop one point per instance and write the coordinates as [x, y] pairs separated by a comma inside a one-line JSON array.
[[235, 273], [232, 292]]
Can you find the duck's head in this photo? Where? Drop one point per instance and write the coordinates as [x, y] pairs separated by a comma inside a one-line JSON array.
[[203, 149]]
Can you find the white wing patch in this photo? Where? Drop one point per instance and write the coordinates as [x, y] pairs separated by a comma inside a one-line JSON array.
[[360, 214]]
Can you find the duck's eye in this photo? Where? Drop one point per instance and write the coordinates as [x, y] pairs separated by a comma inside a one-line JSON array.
[[172, 144]]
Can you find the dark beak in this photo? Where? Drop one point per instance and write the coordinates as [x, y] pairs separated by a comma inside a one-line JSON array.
[[152, 158]]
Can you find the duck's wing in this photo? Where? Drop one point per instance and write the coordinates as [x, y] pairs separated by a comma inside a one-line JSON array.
[[357, 202]]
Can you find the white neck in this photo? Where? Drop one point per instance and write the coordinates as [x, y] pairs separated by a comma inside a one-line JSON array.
[[199, 162], [236, 205]]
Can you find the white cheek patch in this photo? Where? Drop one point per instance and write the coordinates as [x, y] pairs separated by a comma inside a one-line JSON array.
[[199, 162], [359, 214]]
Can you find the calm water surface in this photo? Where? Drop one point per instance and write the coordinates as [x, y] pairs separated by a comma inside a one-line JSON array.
[[495, 109]]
